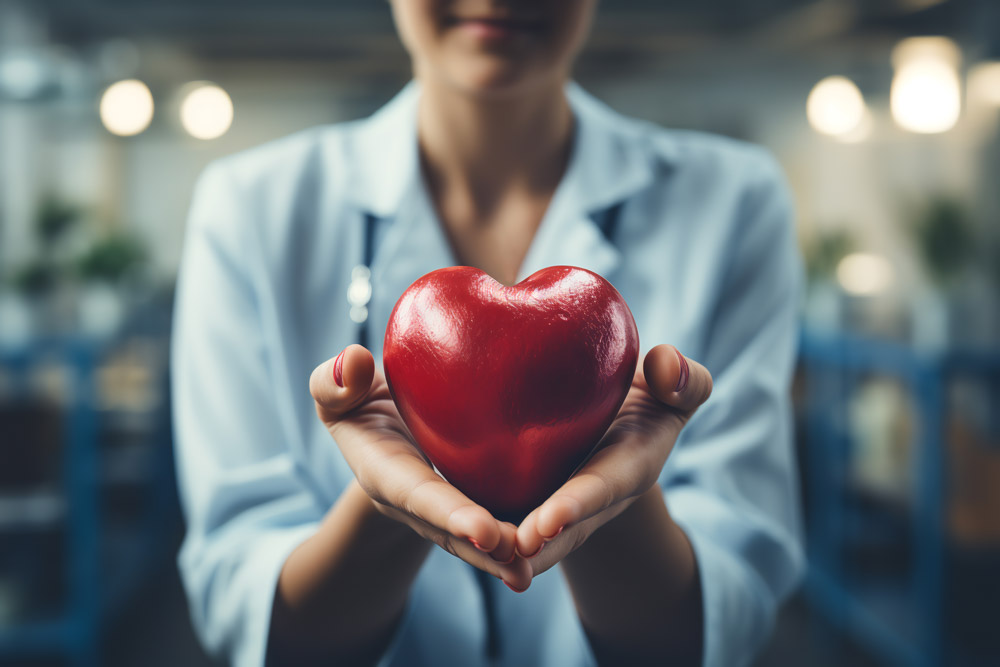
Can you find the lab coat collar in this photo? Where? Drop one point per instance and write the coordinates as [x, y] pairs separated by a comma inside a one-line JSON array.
[[611, 160], [384, 155]]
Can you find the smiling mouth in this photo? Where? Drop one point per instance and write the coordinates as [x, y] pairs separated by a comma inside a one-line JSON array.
[[496, 25]]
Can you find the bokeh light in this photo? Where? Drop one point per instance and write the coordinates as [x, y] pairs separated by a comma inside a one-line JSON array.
[[926, 93], [127, 107], [984, 83], [926, 97], [862, 131], [934, 48], [207, 111], [864, 274], [835, 106]]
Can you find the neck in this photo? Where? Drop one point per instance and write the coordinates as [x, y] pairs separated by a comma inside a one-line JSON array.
[[483, 149]]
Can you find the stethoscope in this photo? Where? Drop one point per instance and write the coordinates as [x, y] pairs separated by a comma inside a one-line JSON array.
[[359, 295], [359, 290]]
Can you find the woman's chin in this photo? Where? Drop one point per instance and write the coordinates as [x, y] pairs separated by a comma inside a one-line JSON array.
[[495, 80]]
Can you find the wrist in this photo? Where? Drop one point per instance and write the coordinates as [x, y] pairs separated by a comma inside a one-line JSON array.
[[633, 577]]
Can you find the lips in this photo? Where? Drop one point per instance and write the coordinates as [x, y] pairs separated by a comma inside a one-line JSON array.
[[497, 25], [501, 22]]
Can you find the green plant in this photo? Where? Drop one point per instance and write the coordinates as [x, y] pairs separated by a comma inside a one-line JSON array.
[[112, 258], [825, 252], [944, 238], [54, 218], [36, 277]]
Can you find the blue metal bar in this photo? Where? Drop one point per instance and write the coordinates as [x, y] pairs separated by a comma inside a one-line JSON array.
[[925, 374], [75, 632], [928, 517], [81, 475], [819, 487]]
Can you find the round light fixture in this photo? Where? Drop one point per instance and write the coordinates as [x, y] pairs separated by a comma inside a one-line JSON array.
[[926, 93], [835, 106], [207, 112], [864, 274], [126, 107]]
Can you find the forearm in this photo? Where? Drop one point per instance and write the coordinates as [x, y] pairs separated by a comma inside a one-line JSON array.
[[341, 592], [636, 587]]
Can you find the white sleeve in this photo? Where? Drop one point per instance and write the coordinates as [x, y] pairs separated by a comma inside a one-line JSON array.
[[245, 505], [732, 479]]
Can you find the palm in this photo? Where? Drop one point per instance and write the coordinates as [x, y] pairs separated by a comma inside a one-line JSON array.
[[376, 419], [643, 414]]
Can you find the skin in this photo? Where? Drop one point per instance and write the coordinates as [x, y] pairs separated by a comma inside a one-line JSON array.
[[494, 124], [495, 132]]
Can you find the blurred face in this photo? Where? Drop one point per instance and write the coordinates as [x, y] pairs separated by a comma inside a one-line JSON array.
[[493, 46]]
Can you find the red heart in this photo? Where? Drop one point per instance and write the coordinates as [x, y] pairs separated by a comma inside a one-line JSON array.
[[507, 390]]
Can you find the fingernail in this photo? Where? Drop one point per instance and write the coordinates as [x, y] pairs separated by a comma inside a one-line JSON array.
[[513, 555], [338, 368], [682, 381], [537, 551], [512, 588], [478, 546], [554, 536]]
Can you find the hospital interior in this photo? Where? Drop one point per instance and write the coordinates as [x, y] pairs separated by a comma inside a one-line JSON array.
[[883, 114]]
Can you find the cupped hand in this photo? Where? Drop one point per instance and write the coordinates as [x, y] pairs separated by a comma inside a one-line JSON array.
[[665, 393], [353, 401]]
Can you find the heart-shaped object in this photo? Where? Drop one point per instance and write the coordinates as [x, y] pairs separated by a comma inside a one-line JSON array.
[[507, 390]]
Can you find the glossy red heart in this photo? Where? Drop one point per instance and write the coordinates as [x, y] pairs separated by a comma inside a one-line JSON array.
[[507, 390]]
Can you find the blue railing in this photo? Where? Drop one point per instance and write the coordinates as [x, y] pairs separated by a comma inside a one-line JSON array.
[[899, 618], [100, 578]]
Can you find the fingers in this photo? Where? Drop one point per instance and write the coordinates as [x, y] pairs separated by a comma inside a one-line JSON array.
[[592, 490], [517, 573], [679, 382], [552, 551], [502, 562], [410, 491], [339, 384], [505, 550], [584, 495], [529, 542], [403, 480]]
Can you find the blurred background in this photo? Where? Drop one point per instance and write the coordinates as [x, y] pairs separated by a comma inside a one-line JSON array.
[[884, 113]]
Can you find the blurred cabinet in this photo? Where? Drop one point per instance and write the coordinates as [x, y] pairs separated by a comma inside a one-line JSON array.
[[898, 494], [87, 493]]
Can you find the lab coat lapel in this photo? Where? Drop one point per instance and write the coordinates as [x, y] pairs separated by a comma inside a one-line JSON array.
[[569, 236], [387, 185], [607, 167], [413, 244]]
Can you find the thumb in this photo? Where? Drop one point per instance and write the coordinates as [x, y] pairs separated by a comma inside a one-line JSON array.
[[679, 382], [339, 384]]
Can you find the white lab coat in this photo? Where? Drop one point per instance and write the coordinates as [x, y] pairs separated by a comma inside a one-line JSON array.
[[704, 254]]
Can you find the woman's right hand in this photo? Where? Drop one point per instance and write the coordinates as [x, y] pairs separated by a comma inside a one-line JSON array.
[[353, 401]]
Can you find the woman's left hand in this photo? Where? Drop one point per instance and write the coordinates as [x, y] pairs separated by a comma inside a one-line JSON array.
[[665, 393]]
